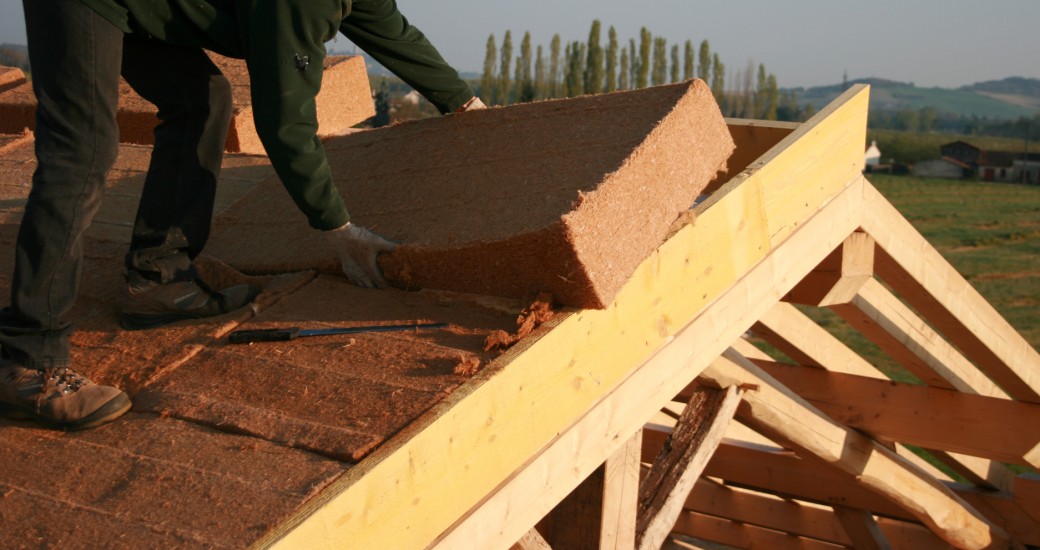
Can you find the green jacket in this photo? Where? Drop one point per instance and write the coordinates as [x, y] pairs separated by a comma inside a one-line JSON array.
[[283, 43]]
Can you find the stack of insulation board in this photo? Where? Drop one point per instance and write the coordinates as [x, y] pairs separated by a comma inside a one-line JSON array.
[[345, 100]]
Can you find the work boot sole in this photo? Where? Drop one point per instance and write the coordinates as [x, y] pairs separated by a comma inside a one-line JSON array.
[[116, 407]]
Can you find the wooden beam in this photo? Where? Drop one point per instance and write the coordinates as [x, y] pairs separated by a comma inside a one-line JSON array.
[[883, 318], [839, 276], [918, 273], [621, 496], [786, 418], [796, 517], [862, 529], [681, 461], [801, 339], [928, 417], [507, 511], [496, 427], [741, 535], [532, 540]]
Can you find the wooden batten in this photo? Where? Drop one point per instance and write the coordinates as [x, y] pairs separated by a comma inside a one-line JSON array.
[[839, 276], [801, 339], [741, 535], [785, 417]]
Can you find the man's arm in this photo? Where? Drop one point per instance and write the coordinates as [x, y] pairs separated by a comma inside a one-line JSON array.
[[378, 28], [285, 53]]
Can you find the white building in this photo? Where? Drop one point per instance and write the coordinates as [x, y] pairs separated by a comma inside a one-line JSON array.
[[873, 154]]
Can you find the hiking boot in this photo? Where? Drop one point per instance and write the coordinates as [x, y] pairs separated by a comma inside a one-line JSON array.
[[57, 397], [150, 304]]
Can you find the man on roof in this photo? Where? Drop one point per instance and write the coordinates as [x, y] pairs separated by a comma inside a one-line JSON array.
[[77, 51]]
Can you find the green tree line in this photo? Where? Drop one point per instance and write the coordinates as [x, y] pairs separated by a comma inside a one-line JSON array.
[[597, 66]]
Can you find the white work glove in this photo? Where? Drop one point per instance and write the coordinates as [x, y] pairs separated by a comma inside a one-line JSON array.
[[357, 249], [472, 105]]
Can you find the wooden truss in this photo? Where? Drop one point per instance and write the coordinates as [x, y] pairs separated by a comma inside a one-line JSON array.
[[555, 445]]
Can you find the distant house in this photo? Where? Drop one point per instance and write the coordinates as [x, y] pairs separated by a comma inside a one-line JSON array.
[[1027, 168], [996, 166], [961, 151], [945, 167], [873, 155]]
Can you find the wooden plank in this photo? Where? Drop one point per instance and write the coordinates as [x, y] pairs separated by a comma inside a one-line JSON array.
[[839, 276], [492, 426], [514, 506], [1027, 494], [621, 496], [576, 521], [928, 417], [681, 461], [801, 339], [785, 417], [531, 540], [740, 535], [862, 529], [879, 315], [796, 517], [918, 273]]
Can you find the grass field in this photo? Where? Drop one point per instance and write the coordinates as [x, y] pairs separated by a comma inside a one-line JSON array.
[[990, 232]]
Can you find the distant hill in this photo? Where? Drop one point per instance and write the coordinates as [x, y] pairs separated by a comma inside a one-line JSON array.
[[1009, 98]]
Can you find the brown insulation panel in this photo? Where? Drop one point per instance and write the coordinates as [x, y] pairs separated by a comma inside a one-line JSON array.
[[339, 396], [148, 482], [10, 77], [564, 196], [344, 101]]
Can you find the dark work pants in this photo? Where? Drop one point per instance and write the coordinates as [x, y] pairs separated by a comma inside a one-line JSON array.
[[76, 58]]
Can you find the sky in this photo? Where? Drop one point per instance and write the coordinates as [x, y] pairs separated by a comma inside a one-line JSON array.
[[803, 42]]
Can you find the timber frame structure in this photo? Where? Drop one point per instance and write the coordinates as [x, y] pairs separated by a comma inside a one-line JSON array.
[[547, 446]]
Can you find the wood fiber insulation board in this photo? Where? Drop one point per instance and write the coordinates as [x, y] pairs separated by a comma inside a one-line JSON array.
[[344, 101], [339, 396], [128, 359], [564, 196], [10, 77], [148, 482], [17, 109]]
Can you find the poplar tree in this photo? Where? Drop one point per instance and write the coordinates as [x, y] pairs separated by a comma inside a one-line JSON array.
[[524, 83], [675, 63], [645, 39], [487, 84], [554, 66], [772, 98], [704, 70], [575, 69], [504, 68], [761, 92], [541, 86], [623, 74], [718, 81], [593, 76], [688, 61], [660, 74], [612, 60], [633, 62]]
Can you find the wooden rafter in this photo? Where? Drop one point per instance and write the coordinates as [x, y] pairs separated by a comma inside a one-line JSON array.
[[919, 274], [681, 461], [784, 417], [743, 535], [879, 315], [928, 417], [862, 528], [809, 344]]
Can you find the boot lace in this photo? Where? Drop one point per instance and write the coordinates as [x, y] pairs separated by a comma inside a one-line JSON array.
[[59, 382]]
